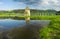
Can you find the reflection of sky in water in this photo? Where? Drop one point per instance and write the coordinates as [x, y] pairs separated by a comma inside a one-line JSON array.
[[11, 23], [8, 23]]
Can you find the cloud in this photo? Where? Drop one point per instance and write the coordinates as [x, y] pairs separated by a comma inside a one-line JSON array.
[[20, 3], [44, 4], [50, 4], [29, 2], [37, 1]]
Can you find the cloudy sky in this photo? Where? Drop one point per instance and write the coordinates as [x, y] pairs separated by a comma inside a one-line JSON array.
[[35, 4]]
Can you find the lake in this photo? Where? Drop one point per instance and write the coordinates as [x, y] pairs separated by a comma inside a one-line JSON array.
[[13, 27], [6, 24]]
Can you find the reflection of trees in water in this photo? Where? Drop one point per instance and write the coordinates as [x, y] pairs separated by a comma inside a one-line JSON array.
[[4, 35], [20, 33], [27, 32]]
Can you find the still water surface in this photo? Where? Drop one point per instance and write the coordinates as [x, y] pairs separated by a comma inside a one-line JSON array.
[[9, 23]]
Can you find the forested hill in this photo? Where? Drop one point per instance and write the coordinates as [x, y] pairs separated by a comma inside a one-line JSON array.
[[33, 11], [22, 10]]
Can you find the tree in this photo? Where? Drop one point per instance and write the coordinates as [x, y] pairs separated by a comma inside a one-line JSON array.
[[29, 2], [58, 13]]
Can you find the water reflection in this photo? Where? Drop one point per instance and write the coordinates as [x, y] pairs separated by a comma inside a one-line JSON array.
[[9, 23], [19, 29]]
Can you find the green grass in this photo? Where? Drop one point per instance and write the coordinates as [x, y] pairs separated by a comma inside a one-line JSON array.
[[53, 29], [7, 14], [45, 17]]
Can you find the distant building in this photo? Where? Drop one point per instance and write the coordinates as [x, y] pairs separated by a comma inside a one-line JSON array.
[[27, 14]]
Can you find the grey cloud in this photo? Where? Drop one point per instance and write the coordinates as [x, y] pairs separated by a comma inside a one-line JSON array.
[[41, 3], [29, 2]]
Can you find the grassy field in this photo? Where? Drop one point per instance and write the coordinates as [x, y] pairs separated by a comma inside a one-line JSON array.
[[53, 29]]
